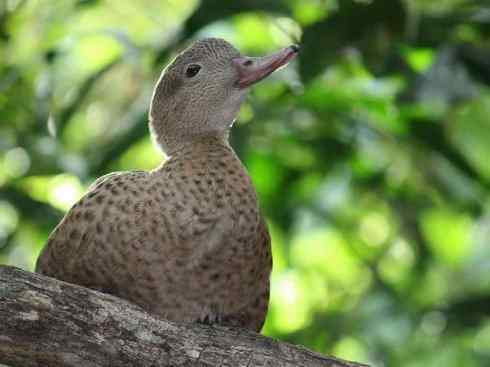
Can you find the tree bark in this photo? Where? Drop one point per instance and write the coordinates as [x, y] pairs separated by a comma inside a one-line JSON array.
[[46, 322]]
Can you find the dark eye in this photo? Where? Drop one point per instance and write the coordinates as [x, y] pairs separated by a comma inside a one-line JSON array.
[[192, 70]]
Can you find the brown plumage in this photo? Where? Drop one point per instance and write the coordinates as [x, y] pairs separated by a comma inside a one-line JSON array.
[[185, 241]]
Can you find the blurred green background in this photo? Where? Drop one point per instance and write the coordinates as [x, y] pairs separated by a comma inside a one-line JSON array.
[[370, 153]]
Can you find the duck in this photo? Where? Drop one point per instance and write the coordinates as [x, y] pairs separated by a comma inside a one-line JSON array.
[[185, 241]]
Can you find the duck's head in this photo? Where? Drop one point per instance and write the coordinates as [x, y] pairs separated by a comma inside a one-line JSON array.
[[199, 94]]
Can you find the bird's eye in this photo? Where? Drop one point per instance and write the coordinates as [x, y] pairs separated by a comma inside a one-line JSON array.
[[192, 70]]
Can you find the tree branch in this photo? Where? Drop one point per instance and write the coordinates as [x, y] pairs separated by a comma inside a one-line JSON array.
[[46, 322]]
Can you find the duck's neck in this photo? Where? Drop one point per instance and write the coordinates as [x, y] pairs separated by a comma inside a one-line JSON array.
[[174, 131], [205, 154], [199, 144]]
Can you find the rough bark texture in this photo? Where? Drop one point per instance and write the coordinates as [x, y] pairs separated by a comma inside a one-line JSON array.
[[46, 322]]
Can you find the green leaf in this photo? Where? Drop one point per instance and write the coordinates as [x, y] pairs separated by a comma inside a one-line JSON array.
[[448, 235]]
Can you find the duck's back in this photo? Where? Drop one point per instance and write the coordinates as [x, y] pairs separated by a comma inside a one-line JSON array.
[[86, 245], [185, 241]]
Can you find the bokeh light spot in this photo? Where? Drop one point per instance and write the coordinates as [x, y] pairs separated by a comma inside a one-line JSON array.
[[9, 220], [64, 191], [16, 162], [374, 229]]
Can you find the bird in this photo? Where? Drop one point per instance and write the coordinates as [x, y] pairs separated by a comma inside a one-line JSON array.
[[185, 241]]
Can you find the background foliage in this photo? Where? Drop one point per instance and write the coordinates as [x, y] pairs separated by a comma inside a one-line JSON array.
[[371, 153]]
